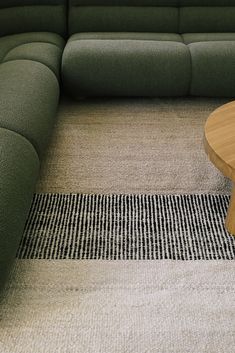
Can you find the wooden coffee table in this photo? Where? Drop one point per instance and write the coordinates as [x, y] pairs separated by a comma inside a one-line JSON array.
[[220, 146]]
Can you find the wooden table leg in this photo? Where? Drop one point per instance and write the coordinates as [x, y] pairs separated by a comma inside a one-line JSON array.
[[230, 219]]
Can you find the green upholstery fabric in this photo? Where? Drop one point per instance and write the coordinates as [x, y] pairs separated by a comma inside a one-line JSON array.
[[207, 37], [96, 62], [212, 54], [121, 18], [13, 3], [172, 37], [45, 48], [29, 94], [19, 16], [213, 69], [126, 67], [206, 16], [209, 19], [123, 2], [178, 16], [175, 3], [206, 3], [30, 59], [19, 167]]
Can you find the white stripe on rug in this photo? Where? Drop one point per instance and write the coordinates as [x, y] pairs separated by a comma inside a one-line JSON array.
[[127, 227]]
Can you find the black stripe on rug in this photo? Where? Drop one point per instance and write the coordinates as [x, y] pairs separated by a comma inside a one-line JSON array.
[[127, 227]]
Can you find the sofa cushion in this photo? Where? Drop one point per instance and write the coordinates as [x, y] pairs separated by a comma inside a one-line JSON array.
[[19, 16], [45, 48], [19, 171], [213, 68], [123, 16], [125, 67], [29, 93], [207, 37]]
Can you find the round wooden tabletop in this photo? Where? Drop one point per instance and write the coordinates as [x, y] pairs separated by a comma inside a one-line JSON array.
[[220, 139], [220, 146]]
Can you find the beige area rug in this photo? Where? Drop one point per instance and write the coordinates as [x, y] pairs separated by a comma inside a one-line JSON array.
[[131, 146], [144, 146], [119, 307]]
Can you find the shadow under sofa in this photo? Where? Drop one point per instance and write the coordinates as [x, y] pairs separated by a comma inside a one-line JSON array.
[[96, 48]]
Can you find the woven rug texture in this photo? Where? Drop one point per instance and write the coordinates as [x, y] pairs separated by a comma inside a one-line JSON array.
[[125, 249]]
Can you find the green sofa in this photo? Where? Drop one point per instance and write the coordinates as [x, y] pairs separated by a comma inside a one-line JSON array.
[[150, 48], [32, 39], [98, 48]]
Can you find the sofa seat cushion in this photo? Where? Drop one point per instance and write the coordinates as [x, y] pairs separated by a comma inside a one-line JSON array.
[[19, 171], [43, 47], [114, 64], [213, 68], [29, 94], [189, 38]]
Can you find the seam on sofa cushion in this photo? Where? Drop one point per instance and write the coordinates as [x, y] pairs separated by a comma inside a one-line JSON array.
[[30, 33], [208, 41], [118, 36], [30, 5], [36, 61], [125, 40], [23, 137], [17, 46], [175, 3], [118, 5], [39, 62]]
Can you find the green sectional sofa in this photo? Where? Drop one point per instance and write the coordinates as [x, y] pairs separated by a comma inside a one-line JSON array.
[[96, 48], [32, 39]]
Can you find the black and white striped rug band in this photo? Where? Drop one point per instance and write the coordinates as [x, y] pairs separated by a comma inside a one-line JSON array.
[[127, 227]]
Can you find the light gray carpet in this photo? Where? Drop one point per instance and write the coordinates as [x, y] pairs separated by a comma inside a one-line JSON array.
[[119, 307], [131, 146], [90, 306]]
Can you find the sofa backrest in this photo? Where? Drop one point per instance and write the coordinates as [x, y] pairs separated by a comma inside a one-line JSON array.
[[207, 16], [18, 16], [175, 16], [123, 15], [172, 16]]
